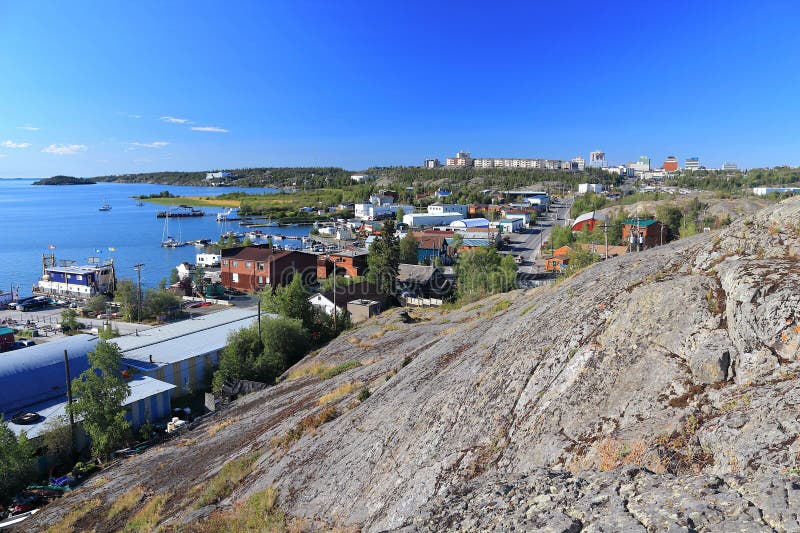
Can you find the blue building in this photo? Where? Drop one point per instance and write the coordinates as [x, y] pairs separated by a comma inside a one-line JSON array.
[[33, 380], [73, 280]]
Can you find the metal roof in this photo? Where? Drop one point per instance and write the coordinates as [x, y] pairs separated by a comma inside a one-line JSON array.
[[36, 374], [142, 387], [589, 216], [183, 340], [86, 269], [640, 222], [471, 223]]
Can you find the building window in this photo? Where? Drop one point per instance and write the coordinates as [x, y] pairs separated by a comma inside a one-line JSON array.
[[235, 277], [248, 264], [260, 280], [261, 266], [235, 264], [225, 262]]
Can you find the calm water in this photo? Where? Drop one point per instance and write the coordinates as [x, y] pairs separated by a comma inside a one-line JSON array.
[[34, 217]]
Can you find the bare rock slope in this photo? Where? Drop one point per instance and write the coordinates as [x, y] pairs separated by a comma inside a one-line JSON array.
[[653, 391]]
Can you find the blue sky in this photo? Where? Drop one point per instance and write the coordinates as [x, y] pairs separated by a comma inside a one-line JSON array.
[[109, 87]]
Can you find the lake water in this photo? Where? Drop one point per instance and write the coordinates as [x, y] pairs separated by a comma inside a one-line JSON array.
[[34, 217]]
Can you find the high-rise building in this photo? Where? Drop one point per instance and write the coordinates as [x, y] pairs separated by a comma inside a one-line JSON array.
[[461, 160], [579, 163], [639, 166], [729, 165], [670, 163], [597, 159], [692, 163], [431, 163]]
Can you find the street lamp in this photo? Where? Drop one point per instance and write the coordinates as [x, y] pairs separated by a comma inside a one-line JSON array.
[[138, 269]]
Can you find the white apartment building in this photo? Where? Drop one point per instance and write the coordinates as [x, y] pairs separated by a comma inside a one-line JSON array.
[[597, 159], [579, 163], [461, 160], [692, 163], [431, 163], [440, 209], [583, 188]]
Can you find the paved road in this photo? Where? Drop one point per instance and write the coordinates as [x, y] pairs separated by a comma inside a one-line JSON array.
[[528, 244]]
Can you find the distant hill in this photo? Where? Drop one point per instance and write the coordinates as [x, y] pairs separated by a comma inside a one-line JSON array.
[[310, 177], [64, 180]]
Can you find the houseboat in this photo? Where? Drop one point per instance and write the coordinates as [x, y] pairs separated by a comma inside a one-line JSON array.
[[67, 278], [182, 211]]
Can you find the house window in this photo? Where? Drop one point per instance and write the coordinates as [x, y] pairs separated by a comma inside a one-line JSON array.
[[225, 262], [235, 264], [79, 277], [260, 280], [248, 265], [261, 266], [235, 277]]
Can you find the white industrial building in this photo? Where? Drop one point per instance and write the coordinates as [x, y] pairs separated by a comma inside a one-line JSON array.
[[427, 219], [439, 209], [469, 223], [583, 188], [763, 191]]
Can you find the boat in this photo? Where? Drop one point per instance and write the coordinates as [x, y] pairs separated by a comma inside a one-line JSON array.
[[17, 518], [181, 211], [167, 241], [105, 207], [229, 214], [139, 204], [270, 224]]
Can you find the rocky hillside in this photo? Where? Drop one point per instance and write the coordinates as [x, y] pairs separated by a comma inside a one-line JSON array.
[[653, 391]]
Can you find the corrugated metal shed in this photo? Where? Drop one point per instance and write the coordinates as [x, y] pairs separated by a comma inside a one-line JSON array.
[[36, 374], [183, 340], [142, 387]]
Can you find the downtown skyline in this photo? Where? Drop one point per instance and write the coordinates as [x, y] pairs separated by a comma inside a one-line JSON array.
[[96, 89]]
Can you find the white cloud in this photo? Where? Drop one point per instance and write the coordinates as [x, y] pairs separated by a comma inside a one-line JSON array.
[[12, 144], [209, 128], [155, 144], [65, 149], [28, 127], [173, 120], [3, 155], [129, 115]]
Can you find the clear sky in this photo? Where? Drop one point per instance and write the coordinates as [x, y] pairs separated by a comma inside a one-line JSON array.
[[102, 87]]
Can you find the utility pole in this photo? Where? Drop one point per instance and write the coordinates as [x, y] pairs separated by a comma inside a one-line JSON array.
[[138, 268], [69, 404], [335, 309], [605, 232]]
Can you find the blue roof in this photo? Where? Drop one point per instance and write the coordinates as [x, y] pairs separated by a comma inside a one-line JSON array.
[[5, 331], [142, 387], [37, 374]]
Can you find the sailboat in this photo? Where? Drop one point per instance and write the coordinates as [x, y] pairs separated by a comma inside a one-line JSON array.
[[168, 241], [106, 206]]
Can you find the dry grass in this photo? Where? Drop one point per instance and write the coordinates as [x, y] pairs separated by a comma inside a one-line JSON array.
[[500, 306], [314, 369], [226, 480], [67, 524], [196, 201], [614, 453], [309, 423], [342, 390], [126, 502], [259, 513], [219, 426], [338, 369], [148, 516], [378, 334]]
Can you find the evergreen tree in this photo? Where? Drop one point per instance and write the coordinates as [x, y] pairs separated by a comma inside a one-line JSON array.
[[384, 259], [409, 250], [99, 392], [290, 301], [17, 461]]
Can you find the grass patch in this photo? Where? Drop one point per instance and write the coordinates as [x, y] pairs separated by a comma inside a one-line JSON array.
[[229, 476], [527, 310], [148, 516], [126, 502], [338, 369], [259, 513], [309, 423], [219, 426], [502, 305], [194, 201], [342, 390], [67, 524], [314, 369]]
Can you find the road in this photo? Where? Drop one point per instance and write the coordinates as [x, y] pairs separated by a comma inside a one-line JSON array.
[[528, 244]]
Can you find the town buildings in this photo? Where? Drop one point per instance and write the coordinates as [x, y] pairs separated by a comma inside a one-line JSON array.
[[583, 188], [643, 233], [461, 160], [691, 164], [579, 163], [729, 165], [362, 291], [670, 164], [597, 159], [431, 163], [589, 221], [763, 191], [350, 263], [251, 268]]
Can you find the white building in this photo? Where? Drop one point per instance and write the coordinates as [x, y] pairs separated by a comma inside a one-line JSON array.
[[579, 163], [510, 225], [217, 175], [469, 223], [583, 188], [763, 191], [461, 160], [362, 178], [185, 270], [431, 163], [692, 163], [368, 211], [207, 260], [427, 219], [439, 208], [729, 165], [597, 159]]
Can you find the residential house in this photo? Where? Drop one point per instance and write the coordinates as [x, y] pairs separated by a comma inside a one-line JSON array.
[[510, 225], [589, 220], [431, 247], [422, 281], [348, 293], [349, 263], [251, 268], [558, 261], [6, 338]]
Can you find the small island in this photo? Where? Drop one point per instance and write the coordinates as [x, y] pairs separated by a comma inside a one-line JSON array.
[[64, 180]]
